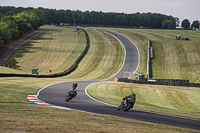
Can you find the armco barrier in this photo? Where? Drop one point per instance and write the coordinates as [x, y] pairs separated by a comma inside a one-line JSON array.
[[68, 71], [169, 82]]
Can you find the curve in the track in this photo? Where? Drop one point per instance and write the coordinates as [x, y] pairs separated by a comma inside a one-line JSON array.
[[55, 94]]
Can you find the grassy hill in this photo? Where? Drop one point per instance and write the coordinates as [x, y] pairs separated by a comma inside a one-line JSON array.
[[51, 50]]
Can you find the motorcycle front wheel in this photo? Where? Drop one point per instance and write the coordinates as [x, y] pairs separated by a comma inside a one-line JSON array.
[[68, 97], [127, 106]]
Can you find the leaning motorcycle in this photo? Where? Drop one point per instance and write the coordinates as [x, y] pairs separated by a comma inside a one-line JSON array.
[[70, 95], [126, 104]]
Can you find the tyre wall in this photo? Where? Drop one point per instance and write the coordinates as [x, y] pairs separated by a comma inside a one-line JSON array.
[[149, 60], [169, 82]]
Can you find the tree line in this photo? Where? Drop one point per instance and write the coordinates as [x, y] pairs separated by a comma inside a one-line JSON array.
[[15, 21], [151, 20], [15, 25]]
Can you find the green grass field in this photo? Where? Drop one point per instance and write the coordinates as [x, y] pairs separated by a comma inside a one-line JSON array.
[[103, 59]]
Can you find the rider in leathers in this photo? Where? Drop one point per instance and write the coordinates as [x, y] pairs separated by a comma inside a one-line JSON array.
[[73, 93], [131, 96], [74, 85]]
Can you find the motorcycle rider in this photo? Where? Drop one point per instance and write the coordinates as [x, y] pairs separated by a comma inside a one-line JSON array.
[[74, 85], [71, 94], [131, 96]]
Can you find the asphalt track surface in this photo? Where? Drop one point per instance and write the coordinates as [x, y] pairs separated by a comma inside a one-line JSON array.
[[55, 95]]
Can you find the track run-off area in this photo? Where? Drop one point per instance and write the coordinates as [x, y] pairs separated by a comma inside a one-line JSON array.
[[54, 95]]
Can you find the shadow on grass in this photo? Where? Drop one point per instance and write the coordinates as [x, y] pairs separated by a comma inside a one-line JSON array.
[[26, 48]]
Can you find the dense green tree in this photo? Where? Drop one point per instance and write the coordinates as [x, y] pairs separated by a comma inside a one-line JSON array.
[[5, 34], [167, 24], [1, 16], [13, 26], [185, 24], [195, 24], [27, 21], [23, 26], [50, 15], [154, 21], [41, 14]]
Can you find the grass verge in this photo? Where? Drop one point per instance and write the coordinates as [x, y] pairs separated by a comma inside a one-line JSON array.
[[34, 119], [176, 101]]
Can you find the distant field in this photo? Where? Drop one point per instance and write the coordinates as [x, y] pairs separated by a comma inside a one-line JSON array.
[[174, 59], [51, 50]]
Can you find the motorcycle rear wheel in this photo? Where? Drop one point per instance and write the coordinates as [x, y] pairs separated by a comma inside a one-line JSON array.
[[127, 106]]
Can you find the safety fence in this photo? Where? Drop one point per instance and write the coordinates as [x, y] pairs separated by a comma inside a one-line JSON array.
[[66, 72], [149, 60], [169, 82]]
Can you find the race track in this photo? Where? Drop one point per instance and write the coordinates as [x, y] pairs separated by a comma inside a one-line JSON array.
[[55, 95]]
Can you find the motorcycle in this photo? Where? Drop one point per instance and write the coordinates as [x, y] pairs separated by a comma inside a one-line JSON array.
[[70, 95], [126, 104]]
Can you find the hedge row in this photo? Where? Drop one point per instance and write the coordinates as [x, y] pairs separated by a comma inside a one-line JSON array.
[[66, 72], [170, 82]]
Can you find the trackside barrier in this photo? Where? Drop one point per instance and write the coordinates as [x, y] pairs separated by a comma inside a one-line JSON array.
[[66, 72], [149, 58], [169, 82]]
